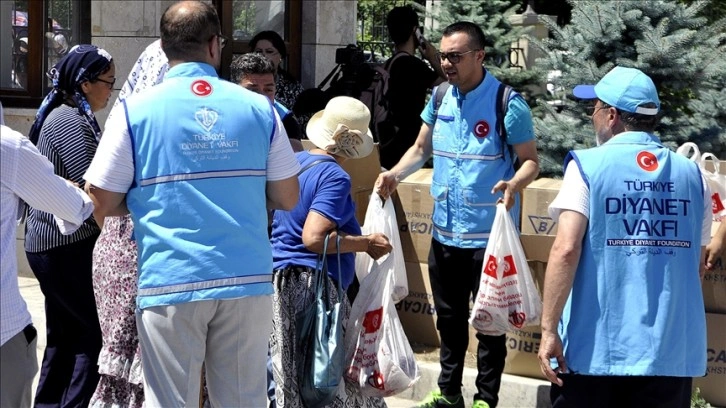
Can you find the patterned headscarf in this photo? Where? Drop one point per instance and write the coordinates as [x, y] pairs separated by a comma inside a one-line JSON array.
[[83, 62]]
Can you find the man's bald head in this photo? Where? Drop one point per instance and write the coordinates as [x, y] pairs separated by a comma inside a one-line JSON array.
[[186, 28]]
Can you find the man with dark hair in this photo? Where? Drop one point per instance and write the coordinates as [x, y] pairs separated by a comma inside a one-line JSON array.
[[410, 79], [197, 161], [256, 73], [472, 172], [623, 323]]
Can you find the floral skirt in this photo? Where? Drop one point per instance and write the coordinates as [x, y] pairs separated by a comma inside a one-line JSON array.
[[115, 282], [293, 292]]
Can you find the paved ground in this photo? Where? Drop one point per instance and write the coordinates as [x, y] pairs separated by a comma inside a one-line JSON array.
[[515, 392], [30, 290]]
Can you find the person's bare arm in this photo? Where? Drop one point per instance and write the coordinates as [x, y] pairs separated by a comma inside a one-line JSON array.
[[317, 227], [106, 203], [559, 277], [283, 194], [432, 57], [412, 160]]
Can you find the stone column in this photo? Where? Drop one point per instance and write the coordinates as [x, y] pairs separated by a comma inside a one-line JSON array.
[[326, 25]]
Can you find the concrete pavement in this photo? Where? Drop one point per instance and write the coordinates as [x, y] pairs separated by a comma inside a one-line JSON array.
[[516, 391]]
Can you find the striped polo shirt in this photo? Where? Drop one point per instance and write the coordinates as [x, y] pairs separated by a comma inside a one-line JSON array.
[[68, 141]]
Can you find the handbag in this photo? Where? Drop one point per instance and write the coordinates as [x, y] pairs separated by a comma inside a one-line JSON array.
[[320, 339]]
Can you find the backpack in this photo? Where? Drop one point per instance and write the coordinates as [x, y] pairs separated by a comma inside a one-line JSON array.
[[504, 93], [367, 82]]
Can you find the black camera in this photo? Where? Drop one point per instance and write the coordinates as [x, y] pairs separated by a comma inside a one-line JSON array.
[[350, 55]]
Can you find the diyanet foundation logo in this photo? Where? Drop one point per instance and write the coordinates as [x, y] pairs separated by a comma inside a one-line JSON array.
[[206, 118]]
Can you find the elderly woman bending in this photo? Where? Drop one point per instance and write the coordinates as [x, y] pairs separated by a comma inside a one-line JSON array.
[[339, 132]]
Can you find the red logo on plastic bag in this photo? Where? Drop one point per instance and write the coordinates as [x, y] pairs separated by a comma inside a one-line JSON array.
[[517, 319], [372, 320], [509, 268], [717, 203], [491, 266], [375, 380]]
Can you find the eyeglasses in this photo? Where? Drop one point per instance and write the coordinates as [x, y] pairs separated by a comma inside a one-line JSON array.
[[222, 40], [110, 83], [591, 110], [453, 57]]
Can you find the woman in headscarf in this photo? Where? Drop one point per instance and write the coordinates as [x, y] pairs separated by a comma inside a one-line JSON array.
[[67, 133], [339, 132]]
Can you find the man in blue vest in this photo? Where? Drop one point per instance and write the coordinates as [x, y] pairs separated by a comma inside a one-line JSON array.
[[623, 320], [473, 169], [197, 161]]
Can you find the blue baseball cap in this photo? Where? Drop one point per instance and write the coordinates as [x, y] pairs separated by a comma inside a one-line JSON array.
[[626, 89]]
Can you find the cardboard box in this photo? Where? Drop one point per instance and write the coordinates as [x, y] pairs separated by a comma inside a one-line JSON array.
[[523, 344], [536, 198], [712, 385], [414, 207], [714, 284], [537, 247], [363, 174], [416, 311]]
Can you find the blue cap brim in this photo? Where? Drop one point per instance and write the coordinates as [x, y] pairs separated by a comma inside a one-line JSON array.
[[584, 92]]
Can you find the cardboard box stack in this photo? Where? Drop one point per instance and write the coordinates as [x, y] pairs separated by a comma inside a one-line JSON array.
[[538, 233], [713, 385]]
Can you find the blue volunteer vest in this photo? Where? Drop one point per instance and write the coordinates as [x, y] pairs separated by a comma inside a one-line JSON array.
[[282, 111], [468, 162], [198, 201], [636, 306]]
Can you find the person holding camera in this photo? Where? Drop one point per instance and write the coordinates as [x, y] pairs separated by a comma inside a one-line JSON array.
[[410, 79]]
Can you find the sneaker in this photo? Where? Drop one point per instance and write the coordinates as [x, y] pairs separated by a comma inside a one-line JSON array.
[[479, 404], [437, 400]]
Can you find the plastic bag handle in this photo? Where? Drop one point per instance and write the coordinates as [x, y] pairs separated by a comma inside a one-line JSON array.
[[686, 148], [716, 163]]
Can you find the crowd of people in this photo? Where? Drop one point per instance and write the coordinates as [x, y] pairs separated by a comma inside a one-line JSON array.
[[180, 269]]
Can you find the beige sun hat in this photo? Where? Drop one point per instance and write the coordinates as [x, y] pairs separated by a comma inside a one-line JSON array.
[[342, 128]]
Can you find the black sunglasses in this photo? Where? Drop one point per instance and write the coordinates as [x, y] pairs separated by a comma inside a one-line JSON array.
[[453, 57]]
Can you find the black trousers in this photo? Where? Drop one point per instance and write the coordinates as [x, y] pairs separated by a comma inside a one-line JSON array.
[[593, 391], [69, 372], [455, 274]]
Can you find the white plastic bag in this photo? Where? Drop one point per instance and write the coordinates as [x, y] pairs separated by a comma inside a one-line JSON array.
[[690, 150], [381, 217], [378, 355], [507, 298], [717, 183]]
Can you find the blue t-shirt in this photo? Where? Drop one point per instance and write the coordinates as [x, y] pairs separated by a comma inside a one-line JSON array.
[[325, 189], [517, 121]]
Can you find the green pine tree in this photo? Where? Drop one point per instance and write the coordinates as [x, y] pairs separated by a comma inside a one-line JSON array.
[[493, 18], [680, 50]]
